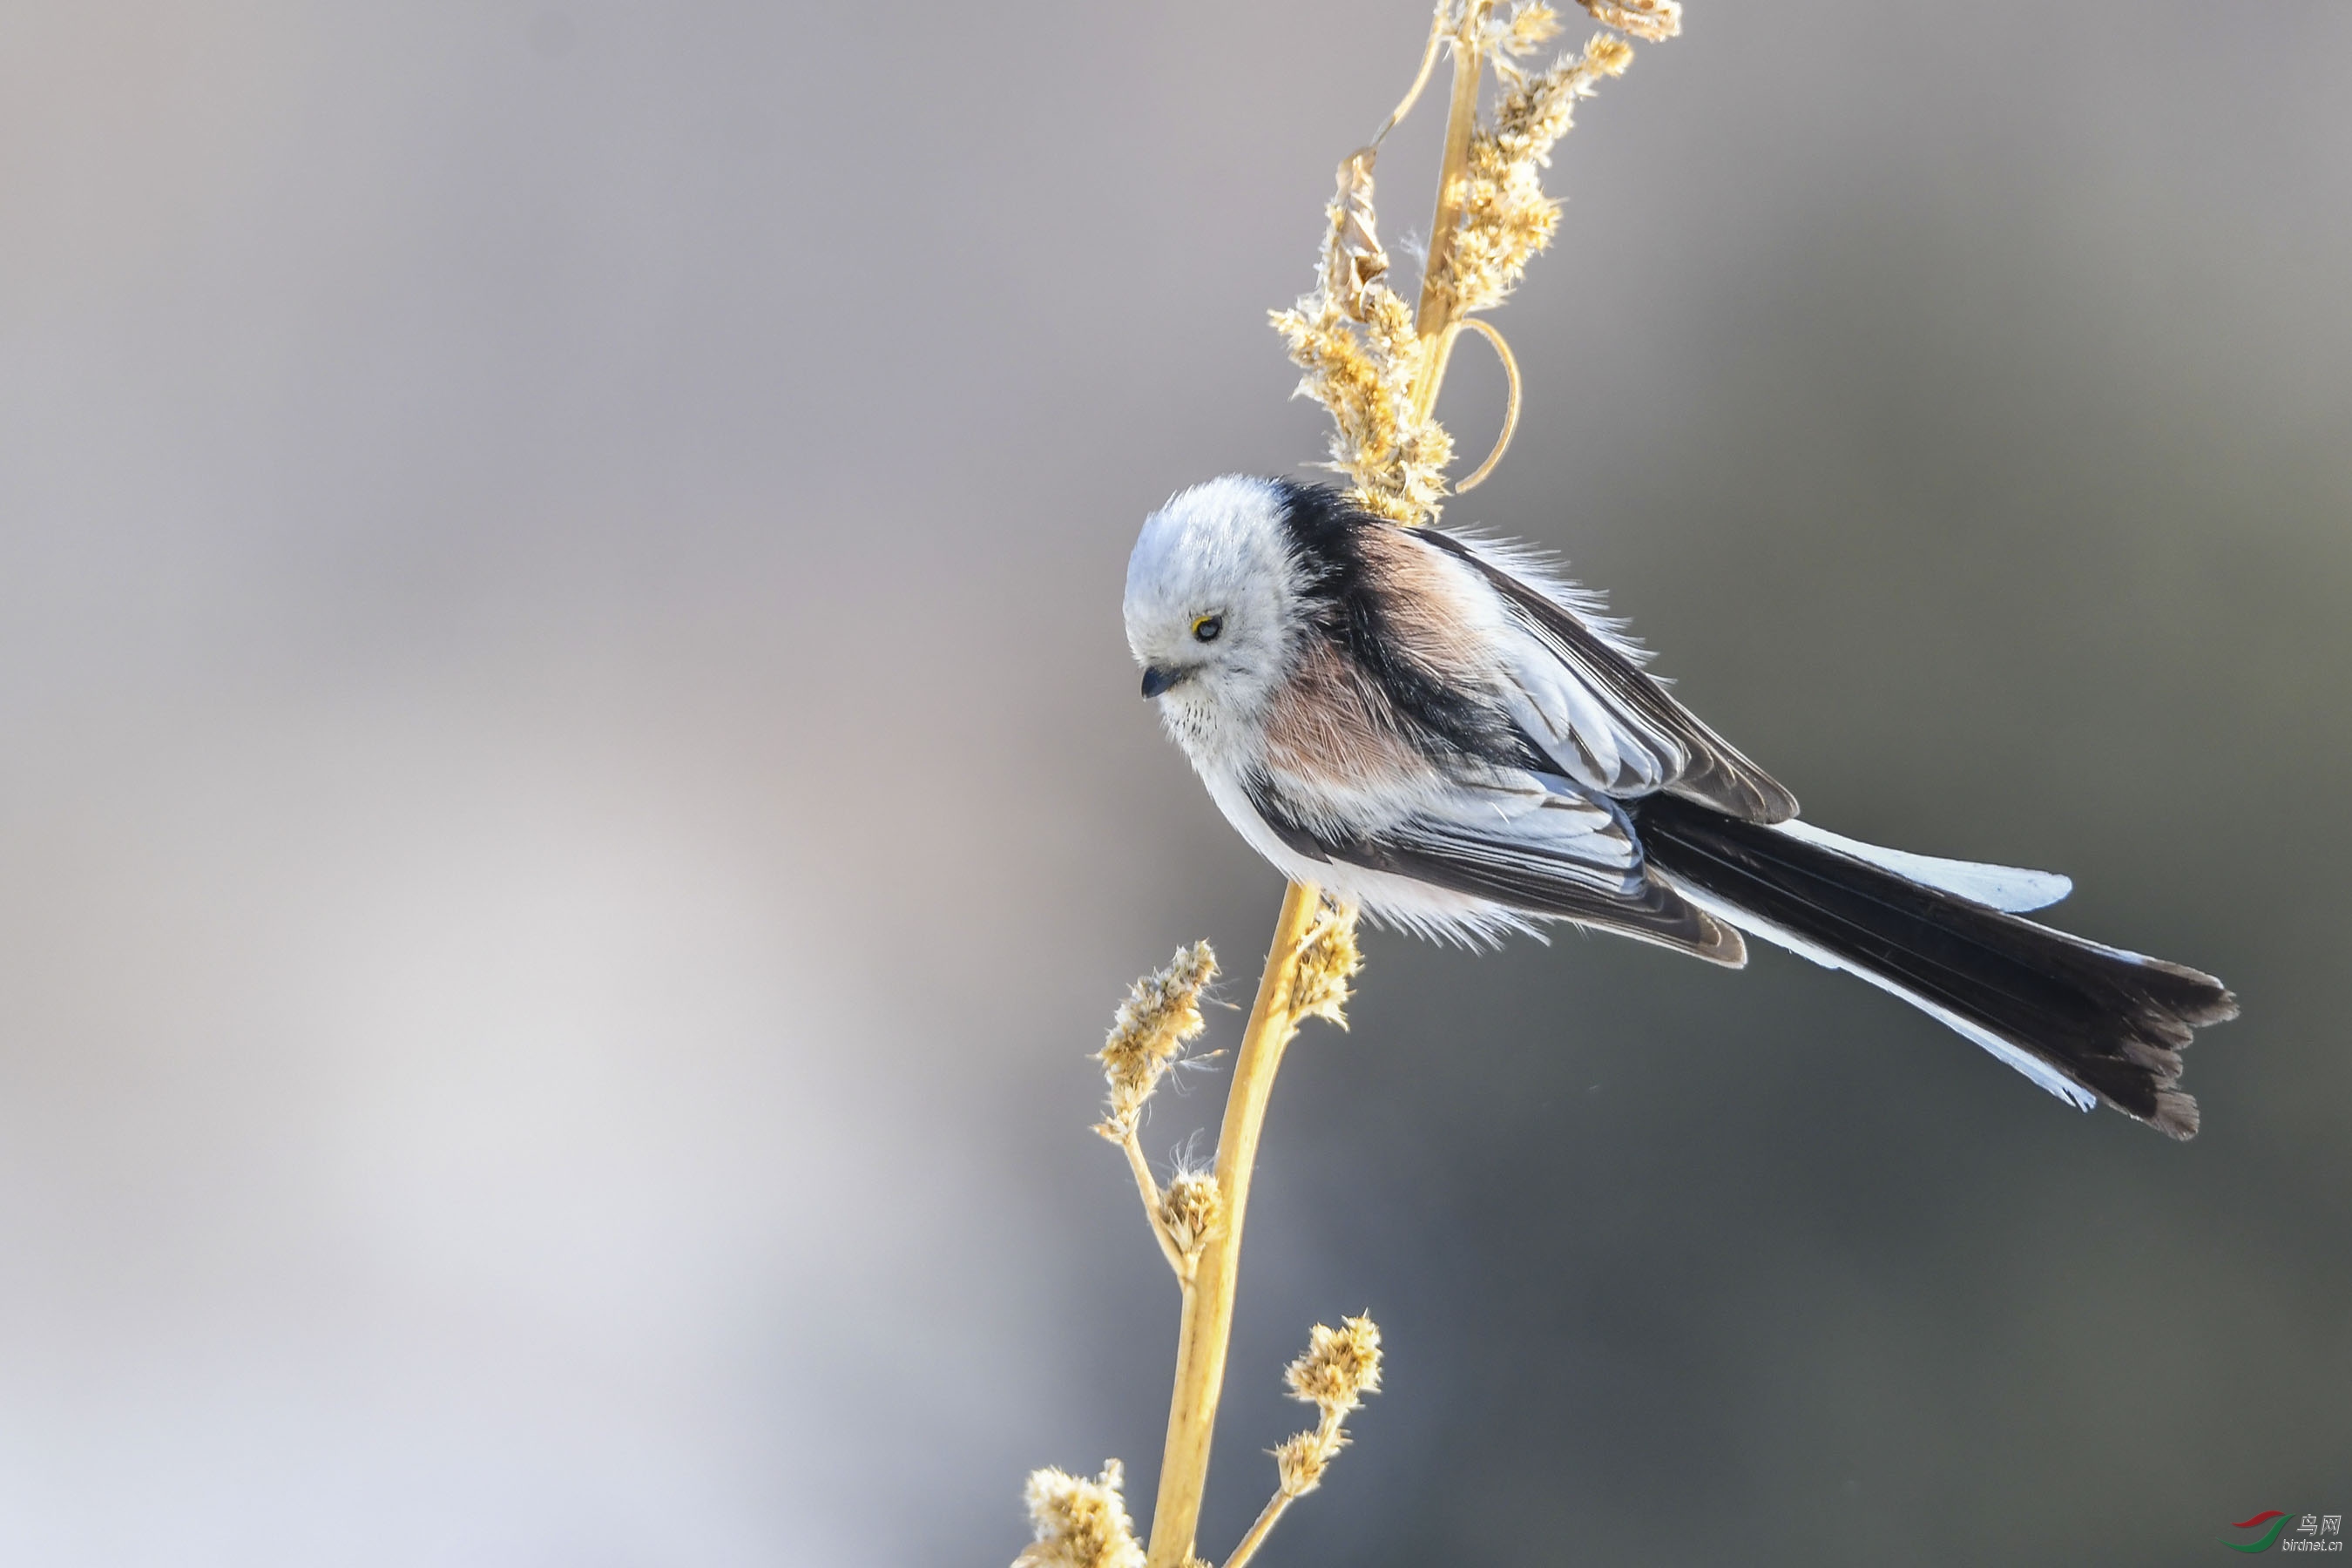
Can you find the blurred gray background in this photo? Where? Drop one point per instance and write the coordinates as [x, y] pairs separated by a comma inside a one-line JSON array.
[[574, 802]]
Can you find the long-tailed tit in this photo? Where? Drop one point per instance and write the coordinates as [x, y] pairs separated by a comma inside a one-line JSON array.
[[1438, 729]]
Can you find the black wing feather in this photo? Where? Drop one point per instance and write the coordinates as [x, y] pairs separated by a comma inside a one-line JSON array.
[[1518, 877]]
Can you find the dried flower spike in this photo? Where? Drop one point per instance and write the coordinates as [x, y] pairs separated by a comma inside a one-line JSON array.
[[1340, 1365], [1300, 1459], [1190, 1209], [1327, 961], [1079, 1523], [1394, 457], [1506, 216], [1528, 27], [1160, 1015]]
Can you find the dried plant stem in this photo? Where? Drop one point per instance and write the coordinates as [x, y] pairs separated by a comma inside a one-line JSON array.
[[1207, 1325], [1265, 1523], [1326, 1437], [1376, 366], [1431, 319]]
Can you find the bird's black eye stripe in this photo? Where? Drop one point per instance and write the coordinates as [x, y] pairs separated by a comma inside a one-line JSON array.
[[1207, 628]]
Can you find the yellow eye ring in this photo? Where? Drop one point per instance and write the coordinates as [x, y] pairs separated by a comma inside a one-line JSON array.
[[1205, 629]]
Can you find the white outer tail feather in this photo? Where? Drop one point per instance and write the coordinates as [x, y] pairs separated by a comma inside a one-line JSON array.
[[2012, 890], [2033, 1066]]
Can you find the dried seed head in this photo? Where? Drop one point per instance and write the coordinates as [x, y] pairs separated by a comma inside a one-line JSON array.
[[1528, 27], [1301, 1458], [1161, 1013], [1339, 1367], [1506, 216], [1327, 961], [1356, 342], [1363, 376], [1079, 1523], [1191, 1208], [1651, 19]]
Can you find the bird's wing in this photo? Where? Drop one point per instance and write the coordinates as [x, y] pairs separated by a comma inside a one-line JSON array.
[[1581, 697], [1542, 847]]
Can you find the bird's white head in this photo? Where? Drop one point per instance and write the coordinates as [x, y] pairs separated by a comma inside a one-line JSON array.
[[1213, 595]]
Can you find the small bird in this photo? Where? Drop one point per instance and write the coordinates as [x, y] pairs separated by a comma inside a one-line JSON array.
[[1442, 731]]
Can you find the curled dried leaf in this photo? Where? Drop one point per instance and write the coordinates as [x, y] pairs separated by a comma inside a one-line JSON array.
[[1353, 259], [1652, 19]]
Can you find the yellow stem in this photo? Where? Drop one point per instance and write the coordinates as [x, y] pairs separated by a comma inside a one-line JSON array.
[[1433, 318], [1266, 1517], [1327, 1443], [1452, 182], [1209, 1299], [1207, 1325]]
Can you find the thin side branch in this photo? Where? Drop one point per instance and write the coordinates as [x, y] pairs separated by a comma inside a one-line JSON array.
[[1148, 1190], [1340, 1366], [1259, 1528]]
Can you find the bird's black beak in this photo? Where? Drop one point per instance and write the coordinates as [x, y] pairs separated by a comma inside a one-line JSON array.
[[1157, 678]]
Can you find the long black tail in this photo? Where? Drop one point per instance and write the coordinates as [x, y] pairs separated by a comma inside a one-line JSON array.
[[2069, 1011]]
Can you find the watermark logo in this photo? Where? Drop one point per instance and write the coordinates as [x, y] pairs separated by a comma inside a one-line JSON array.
[[2312, 1533]]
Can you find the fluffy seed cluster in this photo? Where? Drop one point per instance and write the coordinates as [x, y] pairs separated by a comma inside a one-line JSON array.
[[1191, 1208], [1160, 1015], [1528, 27], [1327, 961], [1506, 216], [1300, 1459], [1359, 357], [1356, 341], [1339, 1367], [1079, 1523]]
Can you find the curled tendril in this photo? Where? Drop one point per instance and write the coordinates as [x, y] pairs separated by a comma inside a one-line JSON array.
[[1510, 410]]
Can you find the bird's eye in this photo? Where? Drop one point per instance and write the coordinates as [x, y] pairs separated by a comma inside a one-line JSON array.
[[1207, 628]]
